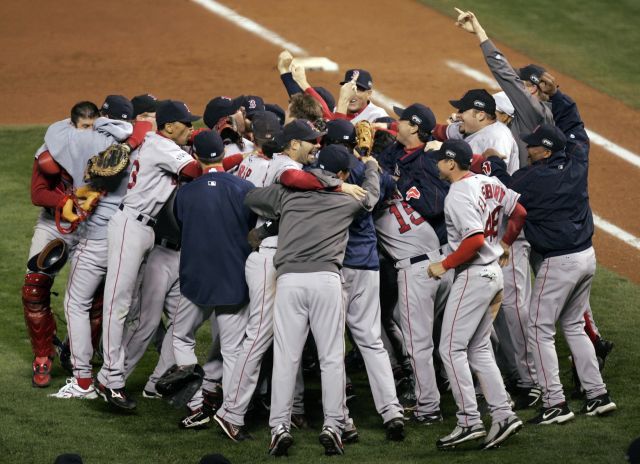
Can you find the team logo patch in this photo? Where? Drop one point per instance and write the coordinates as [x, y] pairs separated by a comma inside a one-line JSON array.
[[105, 105], [486, 168], [413, 192], [533, 78], [478, 104], [252, 104], [186, 107], [370, 83], [450, 154], [211, 183], [547, 143], [125, 116], [416, 119]]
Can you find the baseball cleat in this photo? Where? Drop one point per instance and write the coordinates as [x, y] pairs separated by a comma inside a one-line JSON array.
[[350, 393], [72, 390], [350, 433], [281, 441], [151, 395], [599, 406], [197, 419], [501, 431], [603, 348], [117, 397], [429, 418], [41, 372], [395, 429], [237, 433], [331, 441], [461, 435], [558, 414], [527, 397]]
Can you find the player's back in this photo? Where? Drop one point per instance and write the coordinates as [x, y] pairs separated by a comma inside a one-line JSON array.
[[477, 204], [254, 168]]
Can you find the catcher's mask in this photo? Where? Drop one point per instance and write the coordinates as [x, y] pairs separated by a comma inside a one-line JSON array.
[[51, 259]]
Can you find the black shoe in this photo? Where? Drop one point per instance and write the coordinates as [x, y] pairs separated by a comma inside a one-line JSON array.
[[64, 354], [461, 435], [407, 396], [198, 419], [350, 392], [237, 433], [212, 399], [152, 395], [501, 431], [558, 414], [527, 397], [599, 406], [281, 441], [395, 429], [331, 441], [117, 397], [350, 435], [429, 418]]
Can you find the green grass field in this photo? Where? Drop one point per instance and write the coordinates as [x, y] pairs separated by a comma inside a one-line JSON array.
[[593, 41]]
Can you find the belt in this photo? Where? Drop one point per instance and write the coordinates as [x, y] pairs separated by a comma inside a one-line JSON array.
[[429, 255], [168, 244], [143, 218]]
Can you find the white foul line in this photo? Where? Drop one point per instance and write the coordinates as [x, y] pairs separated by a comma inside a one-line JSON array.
[[596, 138], [270, 36]]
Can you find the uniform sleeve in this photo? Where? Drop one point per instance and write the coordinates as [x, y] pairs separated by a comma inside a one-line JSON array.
[[464, 213], [290, 84], [44, 191], [372, 185], [266, 202], [453, 131], [172, 159], [510, 201], [528, 108], [568, 120]]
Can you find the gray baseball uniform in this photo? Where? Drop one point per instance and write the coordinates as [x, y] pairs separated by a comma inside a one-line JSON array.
[[131, 237], [412, 244], [474, 205]]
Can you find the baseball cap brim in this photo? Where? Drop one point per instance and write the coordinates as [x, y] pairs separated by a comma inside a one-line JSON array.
[[531, 140], [192, 118], [457, 104], [397, 110]]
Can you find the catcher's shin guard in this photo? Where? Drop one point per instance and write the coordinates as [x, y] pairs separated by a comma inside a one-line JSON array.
[[95, 317], [41, 324]]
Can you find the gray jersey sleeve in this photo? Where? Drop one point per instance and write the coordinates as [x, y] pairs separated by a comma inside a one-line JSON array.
[[266, 202], [372, 185]]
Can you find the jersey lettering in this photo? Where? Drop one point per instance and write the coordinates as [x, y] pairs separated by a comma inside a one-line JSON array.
[[133, 178], [409, 211], [243, 171]]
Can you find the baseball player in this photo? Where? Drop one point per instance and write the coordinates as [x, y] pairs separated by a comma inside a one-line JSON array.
[[562, 237], [48, 186], [131, 237], [299, 139], [199, 206], [474, 209], [89, 260], [225, 116], [313, 238]]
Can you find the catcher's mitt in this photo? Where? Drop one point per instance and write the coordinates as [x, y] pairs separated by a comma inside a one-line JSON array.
[[180, 383], [106, 169], [364, 138]]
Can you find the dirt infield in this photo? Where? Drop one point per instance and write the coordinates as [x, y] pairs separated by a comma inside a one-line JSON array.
[[56, 53]]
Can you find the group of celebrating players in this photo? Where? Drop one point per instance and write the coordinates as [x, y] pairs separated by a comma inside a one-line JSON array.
[[418, 237]]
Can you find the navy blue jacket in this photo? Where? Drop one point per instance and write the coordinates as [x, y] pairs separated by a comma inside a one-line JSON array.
[[419, 183], [554, 190], [214, 223], [362, 251]]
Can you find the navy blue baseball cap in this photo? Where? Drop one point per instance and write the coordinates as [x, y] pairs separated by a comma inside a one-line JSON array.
[[335, 158], [326, 96], [220, 107], [145, 103], [546, 136], [340, 131], [117, 107], [363, 78], [172, 111], [299, 129], [417, 114], [253, 103], [476, 99], [531, 73], [208, 145], [457, 150], [277, 110], [265, 125]]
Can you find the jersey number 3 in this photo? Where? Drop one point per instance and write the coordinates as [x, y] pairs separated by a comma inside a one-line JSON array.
[[404, 227]]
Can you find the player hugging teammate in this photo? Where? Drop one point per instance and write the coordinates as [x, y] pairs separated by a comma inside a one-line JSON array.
[[287, 230]]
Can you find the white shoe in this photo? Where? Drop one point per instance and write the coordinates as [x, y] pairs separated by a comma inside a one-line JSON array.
[[73, 390]]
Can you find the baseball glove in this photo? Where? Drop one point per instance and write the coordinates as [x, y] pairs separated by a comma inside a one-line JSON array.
[[364, 138], [106, 169], [180, 383]]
